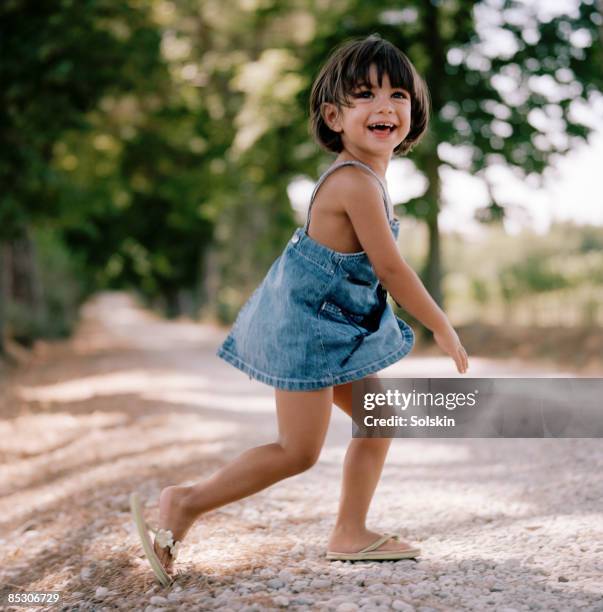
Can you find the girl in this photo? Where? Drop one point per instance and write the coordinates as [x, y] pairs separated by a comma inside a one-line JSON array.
[[320, 318]]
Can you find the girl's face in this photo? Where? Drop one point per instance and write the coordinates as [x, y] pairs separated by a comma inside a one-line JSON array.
[[371, 106]]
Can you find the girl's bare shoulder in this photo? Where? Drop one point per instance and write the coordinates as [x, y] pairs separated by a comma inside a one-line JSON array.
[[349, 183], [349, 214]]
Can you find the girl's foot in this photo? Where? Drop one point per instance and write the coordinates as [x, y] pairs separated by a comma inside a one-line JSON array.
[[175, 515], [346, 542]]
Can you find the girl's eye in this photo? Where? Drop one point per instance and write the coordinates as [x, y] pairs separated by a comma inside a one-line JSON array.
[[363, 94]]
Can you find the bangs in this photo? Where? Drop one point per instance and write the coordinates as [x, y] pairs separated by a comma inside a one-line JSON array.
[[387, 61]]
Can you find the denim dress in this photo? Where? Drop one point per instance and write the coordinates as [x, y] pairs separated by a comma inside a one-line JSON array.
[[319, 317]]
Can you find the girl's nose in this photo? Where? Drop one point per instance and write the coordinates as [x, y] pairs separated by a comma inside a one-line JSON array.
[[384, 102]]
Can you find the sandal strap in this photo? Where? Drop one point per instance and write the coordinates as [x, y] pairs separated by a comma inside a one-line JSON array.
[[170, 535], [384, 538]]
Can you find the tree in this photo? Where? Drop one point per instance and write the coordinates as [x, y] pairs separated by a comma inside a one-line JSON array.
[[503, 77], [57, 61]]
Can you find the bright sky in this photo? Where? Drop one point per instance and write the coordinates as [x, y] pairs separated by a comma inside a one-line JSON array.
[[571, 191]]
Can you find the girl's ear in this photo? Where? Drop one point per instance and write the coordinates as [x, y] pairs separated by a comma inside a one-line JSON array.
[[330, 113]]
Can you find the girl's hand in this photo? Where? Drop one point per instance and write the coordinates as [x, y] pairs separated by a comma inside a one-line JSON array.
[[449, 342]]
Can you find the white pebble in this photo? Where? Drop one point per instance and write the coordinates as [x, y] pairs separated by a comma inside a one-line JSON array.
[[303, 601], [298, 586], [286, 576], [281, 601], [101, 592], [347, 606], [402, 606]]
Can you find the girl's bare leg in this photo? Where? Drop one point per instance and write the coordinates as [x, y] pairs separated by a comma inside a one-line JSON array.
[[303, 419], [362, 469]]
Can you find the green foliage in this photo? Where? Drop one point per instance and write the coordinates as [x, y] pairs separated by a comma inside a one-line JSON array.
[[58, 59], [591, 239], [156, 139], [479, 290], [63, 283], [530, 275], [500, 103]]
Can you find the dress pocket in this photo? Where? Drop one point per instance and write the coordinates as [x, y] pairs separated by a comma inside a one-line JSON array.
[[331, 312], [359, 281], [354, 327]]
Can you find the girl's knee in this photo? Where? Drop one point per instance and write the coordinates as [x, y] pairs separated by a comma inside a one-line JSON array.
[[300, 460]]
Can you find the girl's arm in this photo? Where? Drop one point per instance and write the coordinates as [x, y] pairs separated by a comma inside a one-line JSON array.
[[361, 198], [405, 286], [409, 292]]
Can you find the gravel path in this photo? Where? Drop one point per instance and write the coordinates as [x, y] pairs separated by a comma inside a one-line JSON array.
[[136, 403]]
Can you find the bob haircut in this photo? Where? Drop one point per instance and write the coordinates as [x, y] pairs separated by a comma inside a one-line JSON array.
[[348, 68]]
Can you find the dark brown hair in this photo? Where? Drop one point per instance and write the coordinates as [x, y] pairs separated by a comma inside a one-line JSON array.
[[347, 68]]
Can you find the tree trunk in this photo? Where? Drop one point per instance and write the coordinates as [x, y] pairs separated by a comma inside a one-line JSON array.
[[435, 77], [172, 306], [210, 282], [26, 287], [38, 304], [3, 295], [432, 272]]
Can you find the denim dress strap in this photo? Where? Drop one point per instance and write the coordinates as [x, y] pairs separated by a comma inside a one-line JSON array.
[[349, 162]]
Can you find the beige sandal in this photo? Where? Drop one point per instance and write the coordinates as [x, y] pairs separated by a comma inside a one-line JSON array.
[[165, 539], [371, 554]]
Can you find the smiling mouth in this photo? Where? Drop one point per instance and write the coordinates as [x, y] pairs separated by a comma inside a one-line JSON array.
[[382, 127]]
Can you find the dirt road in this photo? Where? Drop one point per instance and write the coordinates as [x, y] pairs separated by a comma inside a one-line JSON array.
[[136, 403]]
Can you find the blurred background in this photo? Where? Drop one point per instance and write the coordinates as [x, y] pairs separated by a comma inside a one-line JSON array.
[[162, 147]]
